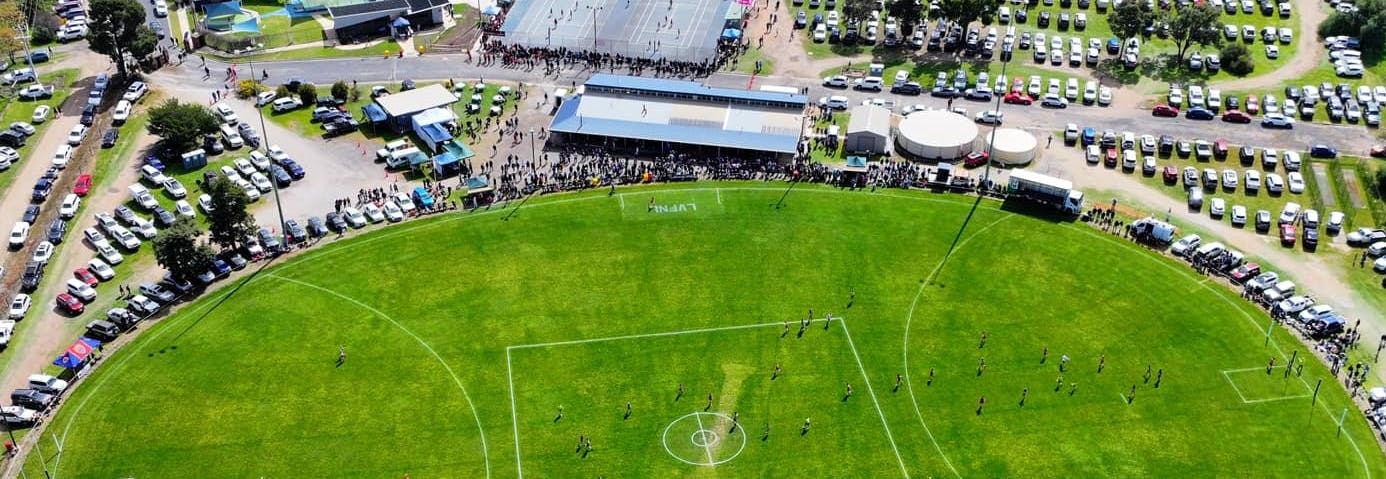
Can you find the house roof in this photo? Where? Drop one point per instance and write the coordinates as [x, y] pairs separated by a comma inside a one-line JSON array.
[[413, 101], [376, 6], [870, 118], [680, 120], [690, 90], [416, 6]]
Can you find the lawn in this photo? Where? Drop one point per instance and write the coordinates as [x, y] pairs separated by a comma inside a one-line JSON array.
[[746, 63], [577, 305]]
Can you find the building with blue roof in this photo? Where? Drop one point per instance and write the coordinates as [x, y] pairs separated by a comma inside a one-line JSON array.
[[656, 116]]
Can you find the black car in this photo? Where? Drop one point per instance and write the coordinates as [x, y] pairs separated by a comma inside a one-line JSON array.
[[42, 188], [12, 139], [212, 144], [336, 223], [1044, 19], [102, 330], [329, 101], [293, 232], [316, 228], [56, 230], [293, 168], [32, 399], [1247, 155], [1292, 92], [249, 135], [108, 139], [1197, 113], [281, 178], [1233, 103], [269, 240], [31, 213], [1021, 16], [163, 217], [340, 126], [33, 273], [1311, 238], [800, 19], [88, 115], [1166, 145], [910, 88], [182, 286]]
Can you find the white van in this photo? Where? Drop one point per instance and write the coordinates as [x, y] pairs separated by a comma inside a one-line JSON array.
[[142, 196], [231, 137], [400, 158], [1004, 15], [836, 102]]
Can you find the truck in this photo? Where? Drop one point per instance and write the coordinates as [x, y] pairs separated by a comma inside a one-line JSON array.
[[1045, 189], [1152, 230]]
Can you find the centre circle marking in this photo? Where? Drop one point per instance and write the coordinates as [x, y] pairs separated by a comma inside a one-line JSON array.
[[703, 438]]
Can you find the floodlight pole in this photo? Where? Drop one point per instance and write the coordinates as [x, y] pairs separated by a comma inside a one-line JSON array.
[[264, 143], [991, 140]]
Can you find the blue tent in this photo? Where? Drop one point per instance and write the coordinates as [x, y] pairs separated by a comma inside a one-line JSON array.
[[400, 22], [491, 11], [77, 354], [731, 34]]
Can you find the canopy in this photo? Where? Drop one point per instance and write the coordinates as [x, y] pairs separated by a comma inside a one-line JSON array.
[[374, 113], [856, 164], [731, 34], [491, 10], [77, 353], [477, 184], [400, 22]]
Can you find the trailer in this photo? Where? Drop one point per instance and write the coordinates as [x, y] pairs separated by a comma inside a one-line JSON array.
[[1045, 189]]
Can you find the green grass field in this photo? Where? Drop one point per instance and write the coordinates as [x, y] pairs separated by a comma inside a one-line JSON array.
[[468, 333]]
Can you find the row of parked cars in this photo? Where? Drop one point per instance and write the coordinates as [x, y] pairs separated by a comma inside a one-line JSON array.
[[1015, 90], [1341, 101]]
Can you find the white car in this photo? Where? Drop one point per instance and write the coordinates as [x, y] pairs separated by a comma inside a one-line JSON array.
[[1294, 304], [1186, 244], [1272, 52], [990, 117], [1229, 179], [184, 209], [125, 238], [20, 305], [1238, 215], [1218, 207], [135, 92], [1253, 180], [261, 182], [250, 191], [109, 254], [1296, 181], [43, 252], [1316, 313], [404, 202], [100, 269], [393, 212], [373, 213], [839, 81], [244, 167], [354, 217], [63, 156], [1274, 183], [121, 112], [260, 161], [68, 208], [286, 104], [144, 228], [19, 234], [41, 114], [265, 97], [227, 116], [204, 201], [78, 133], [1104, 96], [23, 127], [277, 154], [175, 188]]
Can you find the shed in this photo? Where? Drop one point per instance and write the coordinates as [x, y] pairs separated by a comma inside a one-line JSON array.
[[402, 106], [869, 131]]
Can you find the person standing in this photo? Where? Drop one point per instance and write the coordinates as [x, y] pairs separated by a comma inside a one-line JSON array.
[[341, 355]]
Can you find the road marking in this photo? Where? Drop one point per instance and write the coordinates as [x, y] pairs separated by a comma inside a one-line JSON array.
[[876, 402]]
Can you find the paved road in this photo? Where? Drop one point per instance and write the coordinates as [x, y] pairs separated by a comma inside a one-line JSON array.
[[1347, 138]]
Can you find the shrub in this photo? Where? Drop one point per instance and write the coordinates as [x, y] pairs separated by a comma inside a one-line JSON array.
[[1237, 60]]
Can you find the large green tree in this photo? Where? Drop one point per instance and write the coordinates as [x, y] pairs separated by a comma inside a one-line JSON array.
[[117, 30], [1194, 25], [964, 12], [857, 10], [179, 124], [178, 250], [908, 12], [229, 222], [1367, 23], [1128, 21], [11, 21]]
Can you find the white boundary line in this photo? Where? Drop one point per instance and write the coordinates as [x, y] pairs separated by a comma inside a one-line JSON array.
[[657, 335], [719, 196], [872, 391], [1234, 386], [706, 446], [622, 196], [1239, 307], [1233, 382], [905, 349], [514, 417], [480, 432]]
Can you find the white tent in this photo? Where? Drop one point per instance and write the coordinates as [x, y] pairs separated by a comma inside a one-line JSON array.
[[936, 135]]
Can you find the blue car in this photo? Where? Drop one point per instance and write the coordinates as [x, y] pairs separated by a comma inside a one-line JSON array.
[[422, 197], [1323, 151], [1113, 46], [1199, 113], [293, 168], [220, 267], [153, 161], [1089, 136]]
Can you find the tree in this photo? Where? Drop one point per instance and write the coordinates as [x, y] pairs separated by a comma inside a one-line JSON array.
[[42, 34], [1236, 59], [229, 222], [181, 125], [1128, 20], [117, 29], [1381, 183], [340, 91], [308, 93], [282, 91], [10, 21], [179, 252], [964, 12], [857, 9], [1194, 25], [1364, 22], [907, 12]]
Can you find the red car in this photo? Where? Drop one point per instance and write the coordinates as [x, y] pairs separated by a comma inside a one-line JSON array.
[[1018, 86], [86, 276], [70, 304], [83, 185], [1018, 98], [1165, 110], [1111, 159], [1234, 116], [1220, 148], [976, 158], [1379, 151], [1253, 104], [1171, 174], [1287, 234], [1246, 272]]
